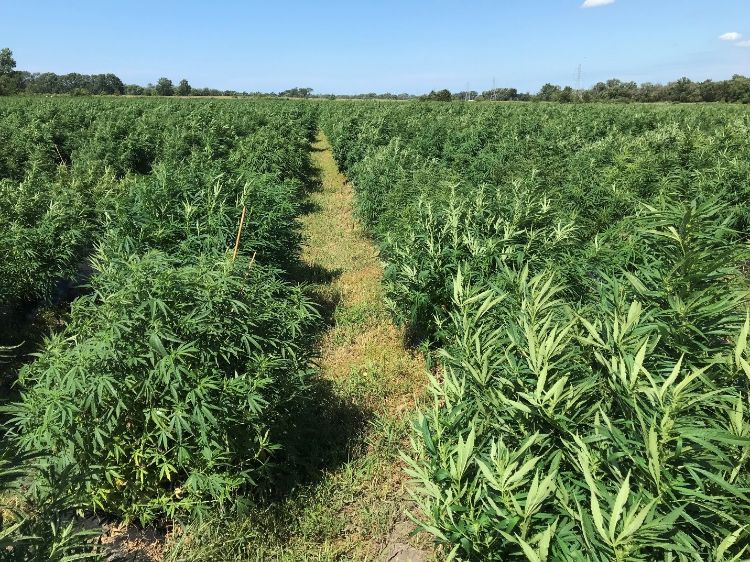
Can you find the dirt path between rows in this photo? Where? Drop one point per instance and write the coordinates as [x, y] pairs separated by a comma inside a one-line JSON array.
[[363, 355]]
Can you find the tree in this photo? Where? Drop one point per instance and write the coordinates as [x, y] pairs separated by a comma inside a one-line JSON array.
[[650, 92], [465, 95], [7, 62], [738, 89], [708, 90], [682, 90], [440, 95], [164, 87], [567, 95], [108, 84], [44, 83], [616, 90], [184, 88], [500, 94], [8, 78], [549, 92], [296, 93]]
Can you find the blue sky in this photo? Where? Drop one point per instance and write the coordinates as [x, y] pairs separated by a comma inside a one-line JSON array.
[[388, 45]]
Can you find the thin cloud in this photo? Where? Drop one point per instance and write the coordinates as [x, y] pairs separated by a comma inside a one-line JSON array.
[[596, 3], [730, 36], [745, 44]]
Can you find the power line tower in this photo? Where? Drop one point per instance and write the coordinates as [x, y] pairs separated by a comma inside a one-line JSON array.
[[578, 83], [494, 89]]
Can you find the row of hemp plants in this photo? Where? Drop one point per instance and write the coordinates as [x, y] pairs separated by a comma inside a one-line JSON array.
[[612, 431], [581, 283], [64, 162], [170, 388]]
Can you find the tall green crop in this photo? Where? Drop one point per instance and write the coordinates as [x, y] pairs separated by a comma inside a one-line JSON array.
[[578, 272], [168, 382], [175, 379], [569, 433]]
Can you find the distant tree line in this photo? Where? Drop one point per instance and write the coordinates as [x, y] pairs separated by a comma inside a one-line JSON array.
[[165, 87], [14, 81], [296, 93], [736, 89], [308, 93]]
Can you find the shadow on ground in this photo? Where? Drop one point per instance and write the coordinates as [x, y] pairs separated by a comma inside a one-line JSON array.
[[326, 429]]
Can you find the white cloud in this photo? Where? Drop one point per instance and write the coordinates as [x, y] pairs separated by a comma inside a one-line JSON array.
[[596, 3], [745, 44], [731, 36]]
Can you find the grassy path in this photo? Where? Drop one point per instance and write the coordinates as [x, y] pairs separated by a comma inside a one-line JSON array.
[[357, 511], [361, 337]]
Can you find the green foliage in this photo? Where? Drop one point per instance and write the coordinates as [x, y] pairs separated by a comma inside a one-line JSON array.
[[387, 185], [164, 87], [67, 165], [594, 433], [184, 88], [579, 272], [48, 228], [36, 522], [688, 277], [7, 62], [167, 382], [173, 384], [439, 95]]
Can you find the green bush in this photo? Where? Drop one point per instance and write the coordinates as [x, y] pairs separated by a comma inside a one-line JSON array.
[[48, 230], [172, 386], [37, 522], [595, 433], [165, 388], [196, 209], [69, 165]]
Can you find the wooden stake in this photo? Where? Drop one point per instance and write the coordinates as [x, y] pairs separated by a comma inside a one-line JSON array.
[[62, 160], [239, 234]]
